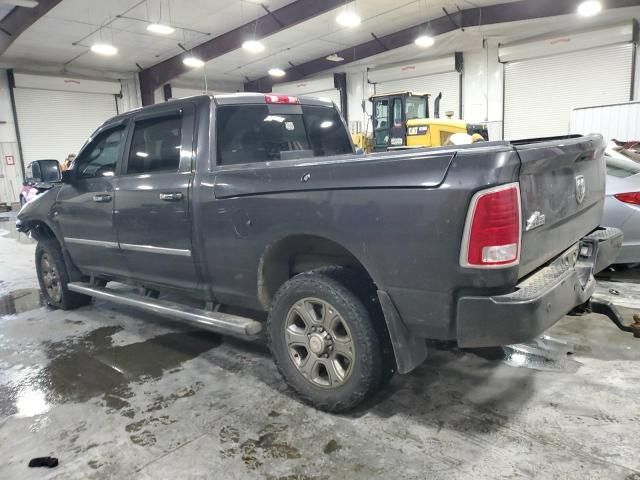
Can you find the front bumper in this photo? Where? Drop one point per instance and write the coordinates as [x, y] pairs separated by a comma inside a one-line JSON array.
[[541, 299]]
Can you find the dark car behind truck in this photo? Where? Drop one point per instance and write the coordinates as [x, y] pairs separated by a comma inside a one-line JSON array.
[[259, 201]]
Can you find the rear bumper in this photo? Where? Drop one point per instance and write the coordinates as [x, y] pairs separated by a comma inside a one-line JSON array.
[[541, 299]]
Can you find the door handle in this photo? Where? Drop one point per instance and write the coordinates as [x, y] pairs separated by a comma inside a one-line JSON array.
[[171, 196], [102, 198]]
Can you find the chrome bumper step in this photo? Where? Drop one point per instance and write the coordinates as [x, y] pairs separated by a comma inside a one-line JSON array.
[[214, 321]]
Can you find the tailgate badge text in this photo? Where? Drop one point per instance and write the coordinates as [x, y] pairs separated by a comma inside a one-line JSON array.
[[536, 220]]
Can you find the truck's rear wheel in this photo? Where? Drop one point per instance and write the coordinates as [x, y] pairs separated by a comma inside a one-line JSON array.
[[325, 342], [54, 277]]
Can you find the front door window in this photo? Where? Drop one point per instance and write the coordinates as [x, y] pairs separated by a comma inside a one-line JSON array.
[[100, 158]]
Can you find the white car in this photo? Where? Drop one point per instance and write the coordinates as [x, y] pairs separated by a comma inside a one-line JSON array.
[[622, 203]]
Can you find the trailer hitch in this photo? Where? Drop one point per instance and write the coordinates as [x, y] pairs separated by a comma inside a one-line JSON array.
[[606, 308]]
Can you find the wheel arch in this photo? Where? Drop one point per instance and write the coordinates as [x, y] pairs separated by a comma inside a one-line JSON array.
[[41, 230], [295, 254], [299, 253]]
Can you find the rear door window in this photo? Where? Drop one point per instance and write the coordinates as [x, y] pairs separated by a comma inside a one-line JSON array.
[[155, 146], [251, 133]]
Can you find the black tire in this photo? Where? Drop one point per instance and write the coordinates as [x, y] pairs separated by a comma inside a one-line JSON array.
[[344, 291], [61, 297]]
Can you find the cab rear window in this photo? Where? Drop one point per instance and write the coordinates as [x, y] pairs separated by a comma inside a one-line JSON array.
[[253, 133]]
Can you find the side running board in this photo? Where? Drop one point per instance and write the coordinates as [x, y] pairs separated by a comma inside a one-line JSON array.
[[215, 321]]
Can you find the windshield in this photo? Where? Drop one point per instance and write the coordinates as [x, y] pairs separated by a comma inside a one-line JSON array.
[[621, 167], [251, 133], [416, 107]]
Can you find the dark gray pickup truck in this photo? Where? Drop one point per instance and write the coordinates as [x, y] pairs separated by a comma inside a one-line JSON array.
[[252, 203]]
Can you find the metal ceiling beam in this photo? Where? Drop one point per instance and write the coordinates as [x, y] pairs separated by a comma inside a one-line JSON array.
[[471, 17], [21, 18], [270, 23]]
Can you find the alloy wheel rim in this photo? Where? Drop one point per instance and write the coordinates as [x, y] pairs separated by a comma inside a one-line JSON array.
[[50, 278], [319, 343]]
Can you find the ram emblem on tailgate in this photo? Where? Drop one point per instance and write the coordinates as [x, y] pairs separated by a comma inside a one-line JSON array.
[[581, 188]]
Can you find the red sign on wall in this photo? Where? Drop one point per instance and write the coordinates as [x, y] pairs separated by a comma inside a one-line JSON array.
[[10, 160]]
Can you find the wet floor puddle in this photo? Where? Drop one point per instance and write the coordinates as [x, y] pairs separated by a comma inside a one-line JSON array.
[[20, 301], [90, 366]]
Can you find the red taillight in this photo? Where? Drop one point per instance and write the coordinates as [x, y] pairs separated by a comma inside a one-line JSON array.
[[281, 99], [492, 230], [630, 197]]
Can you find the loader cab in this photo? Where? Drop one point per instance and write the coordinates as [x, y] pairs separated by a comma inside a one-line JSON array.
[[402, 120], [390, 115]]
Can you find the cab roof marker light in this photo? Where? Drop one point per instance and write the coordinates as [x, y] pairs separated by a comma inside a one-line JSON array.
[[285, 99]]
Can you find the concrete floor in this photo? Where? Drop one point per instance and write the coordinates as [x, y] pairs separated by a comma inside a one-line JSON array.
[[118, 394]]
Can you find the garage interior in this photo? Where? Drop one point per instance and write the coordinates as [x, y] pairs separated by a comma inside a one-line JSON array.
[[113, 392]]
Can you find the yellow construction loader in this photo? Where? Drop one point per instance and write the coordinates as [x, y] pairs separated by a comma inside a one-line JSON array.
[[402, 120]]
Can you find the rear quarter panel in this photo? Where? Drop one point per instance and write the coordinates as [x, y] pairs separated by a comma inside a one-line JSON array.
[[402, 218]]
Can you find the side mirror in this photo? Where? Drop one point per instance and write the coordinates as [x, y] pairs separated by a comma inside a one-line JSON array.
[[44, 171]]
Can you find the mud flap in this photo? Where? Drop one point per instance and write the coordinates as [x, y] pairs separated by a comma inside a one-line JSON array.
[[409, 350]]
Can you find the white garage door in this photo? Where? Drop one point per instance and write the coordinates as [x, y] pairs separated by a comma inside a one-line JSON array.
[[540, 93], [332, 94], [54, 124], [319, 87], [448, 83]]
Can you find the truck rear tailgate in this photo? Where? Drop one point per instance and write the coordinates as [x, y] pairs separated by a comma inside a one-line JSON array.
[[562, 184]]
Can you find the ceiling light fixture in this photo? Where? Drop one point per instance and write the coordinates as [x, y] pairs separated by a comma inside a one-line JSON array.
[[104, 49], [193, 62], [253, 46], [334, 57], [348, 19], [160, 28], [589, 8], [424, 41], [277, 72]]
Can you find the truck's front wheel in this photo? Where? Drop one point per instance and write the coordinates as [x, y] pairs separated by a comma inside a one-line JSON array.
[[53, 277], [325, 342]]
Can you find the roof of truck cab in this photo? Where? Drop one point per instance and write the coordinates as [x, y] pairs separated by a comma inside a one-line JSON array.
[[238, 98], [254, 97]]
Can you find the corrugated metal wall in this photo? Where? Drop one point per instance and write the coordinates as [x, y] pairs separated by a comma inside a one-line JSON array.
[[540, 93], [54, 124], [620, 121]]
